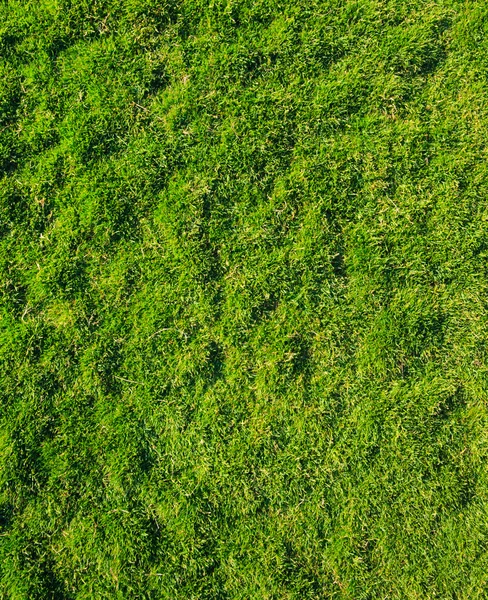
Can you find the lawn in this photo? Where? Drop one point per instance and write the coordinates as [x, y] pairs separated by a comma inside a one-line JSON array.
[[243, 300]]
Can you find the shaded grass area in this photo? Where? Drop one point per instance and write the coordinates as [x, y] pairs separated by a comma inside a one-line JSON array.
[[243, 299]]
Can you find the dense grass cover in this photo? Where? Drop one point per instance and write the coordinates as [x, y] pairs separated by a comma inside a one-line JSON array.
[[244, 299]]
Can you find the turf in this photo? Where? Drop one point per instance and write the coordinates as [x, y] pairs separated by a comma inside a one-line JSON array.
[[244, 315]]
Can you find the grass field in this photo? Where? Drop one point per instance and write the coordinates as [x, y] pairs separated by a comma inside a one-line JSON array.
[[244, 299]]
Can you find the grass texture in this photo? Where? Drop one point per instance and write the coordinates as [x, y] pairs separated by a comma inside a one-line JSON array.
[[243, 299]]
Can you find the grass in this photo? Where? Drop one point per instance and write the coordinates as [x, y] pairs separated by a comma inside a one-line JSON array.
[[243, 273]]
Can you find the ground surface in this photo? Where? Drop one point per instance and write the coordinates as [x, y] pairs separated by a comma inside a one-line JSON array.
[[244, 299]]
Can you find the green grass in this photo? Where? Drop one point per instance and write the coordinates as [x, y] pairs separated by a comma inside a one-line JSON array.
[[244, 299]]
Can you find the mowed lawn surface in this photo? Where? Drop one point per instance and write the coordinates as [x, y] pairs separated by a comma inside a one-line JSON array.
[[244, 299]]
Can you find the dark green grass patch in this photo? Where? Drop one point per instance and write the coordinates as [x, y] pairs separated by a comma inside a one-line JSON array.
[[243, 315]]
